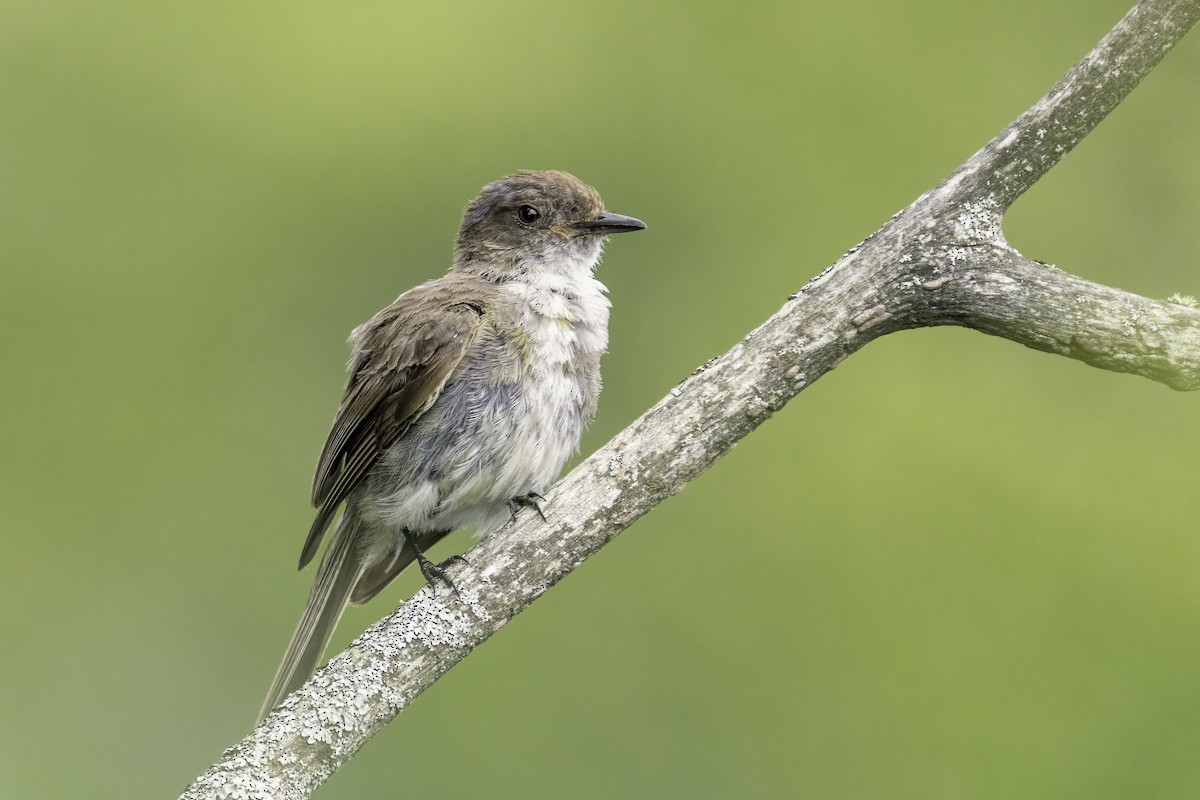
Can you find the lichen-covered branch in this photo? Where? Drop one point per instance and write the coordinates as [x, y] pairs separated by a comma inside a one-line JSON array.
[[941, 261]]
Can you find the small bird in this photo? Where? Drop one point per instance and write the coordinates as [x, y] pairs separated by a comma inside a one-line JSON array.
[[465, 397]]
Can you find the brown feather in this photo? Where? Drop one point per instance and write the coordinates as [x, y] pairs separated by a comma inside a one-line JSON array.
[[390, 386]]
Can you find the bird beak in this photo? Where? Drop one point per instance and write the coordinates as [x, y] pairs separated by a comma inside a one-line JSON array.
[[608, 223]]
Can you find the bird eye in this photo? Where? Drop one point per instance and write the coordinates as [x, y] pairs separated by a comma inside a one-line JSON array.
[[528, 214]]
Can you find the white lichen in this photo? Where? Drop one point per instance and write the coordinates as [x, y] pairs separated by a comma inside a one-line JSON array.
[[1183, 300], [980, 221]]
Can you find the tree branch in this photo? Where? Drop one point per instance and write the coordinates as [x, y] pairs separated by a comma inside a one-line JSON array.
[[941, 261], [1023, 152]]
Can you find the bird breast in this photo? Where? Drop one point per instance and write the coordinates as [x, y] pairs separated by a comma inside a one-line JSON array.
[[561, 319], [509, 420]]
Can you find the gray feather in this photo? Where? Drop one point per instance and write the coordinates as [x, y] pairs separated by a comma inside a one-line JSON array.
[[336, 577]]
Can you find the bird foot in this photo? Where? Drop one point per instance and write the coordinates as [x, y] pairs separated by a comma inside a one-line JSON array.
[[436, 573], [532, 500]]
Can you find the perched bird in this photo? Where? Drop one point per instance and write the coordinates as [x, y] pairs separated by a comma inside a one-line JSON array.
[[465, 397]]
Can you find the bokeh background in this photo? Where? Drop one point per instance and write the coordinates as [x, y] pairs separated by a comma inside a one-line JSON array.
[[952, 568]]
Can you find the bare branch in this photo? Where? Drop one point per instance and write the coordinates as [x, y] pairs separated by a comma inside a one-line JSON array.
[[942, 261], [1023, 152], [1047, 309]]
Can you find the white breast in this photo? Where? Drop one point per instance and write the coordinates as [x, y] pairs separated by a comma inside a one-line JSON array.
[[563, 317], [564, 320]]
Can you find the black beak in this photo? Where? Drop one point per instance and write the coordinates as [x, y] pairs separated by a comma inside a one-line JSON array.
[[608, 223]]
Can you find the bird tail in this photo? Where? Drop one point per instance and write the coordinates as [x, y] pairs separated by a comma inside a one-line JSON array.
[[336, 576]]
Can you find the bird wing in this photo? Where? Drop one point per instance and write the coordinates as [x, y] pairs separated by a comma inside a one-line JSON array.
[[402, 359]]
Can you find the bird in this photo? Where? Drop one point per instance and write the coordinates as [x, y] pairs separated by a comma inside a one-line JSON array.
[[464, 398]]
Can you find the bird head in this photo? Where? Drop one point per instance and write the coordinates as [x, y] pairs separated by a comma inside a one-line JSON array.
[[532, 221]]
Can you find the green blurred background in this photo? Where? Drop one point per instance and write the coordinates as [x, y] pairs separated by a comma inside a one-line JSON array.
[[952, 568]]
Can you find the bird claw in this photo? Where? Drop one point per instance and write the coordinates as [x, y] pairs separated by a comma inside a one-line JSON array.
[[532, 500], [436, 573]]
